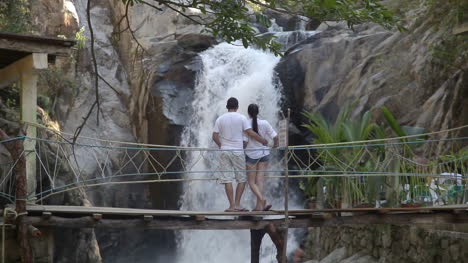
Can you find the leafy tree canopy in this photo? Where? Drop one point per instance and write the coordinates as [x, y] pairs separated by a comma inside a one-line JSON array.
[[232, 20], [14, 16]]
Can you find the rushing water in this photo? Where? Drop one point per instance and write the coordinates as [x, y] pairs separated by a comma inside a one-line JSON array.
[[248, 75], [288, 39]]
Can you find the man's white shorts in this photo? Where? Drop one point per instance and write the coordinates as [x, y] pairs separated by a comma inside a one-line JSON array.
[[234, 162]]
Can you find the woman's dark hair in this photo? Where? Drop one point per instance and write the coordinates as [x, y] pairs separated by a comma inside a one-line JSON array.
[[253, 112]]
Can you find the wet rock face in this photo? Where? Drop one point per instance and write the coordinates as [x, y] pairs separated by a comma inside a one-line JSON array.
[[374, 67], [169, 106], [175, 78], [290, 22]]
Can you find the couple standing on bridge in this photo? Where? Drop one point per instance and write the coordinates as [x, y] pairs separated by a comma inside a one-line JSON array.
[[234, 132]]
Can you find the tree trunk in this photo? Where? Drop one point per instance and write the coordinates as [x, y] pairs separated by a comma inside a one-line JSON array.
[[15, 148], [277, 237]]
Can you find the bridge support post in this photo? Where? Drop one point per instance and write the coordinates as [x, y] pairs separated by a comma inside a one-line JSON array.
[[15, 148], [256, 237], [28, 76], [25, 73], [284, 258]]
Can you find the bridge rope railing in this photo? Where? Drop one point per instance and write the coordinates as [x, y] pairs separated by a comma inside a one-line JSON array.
[[91, 162]]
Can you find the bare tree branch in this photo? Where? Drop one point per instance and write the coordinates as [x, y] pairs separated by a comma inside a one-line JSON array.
[[131, 31], [85, 119], [96, 72], [151, 5], [108, 84], [184, 15]]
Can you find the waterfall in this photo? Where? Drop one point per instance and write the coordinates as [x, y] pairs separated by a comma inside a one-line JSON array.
[[288, 39], [248, 75]]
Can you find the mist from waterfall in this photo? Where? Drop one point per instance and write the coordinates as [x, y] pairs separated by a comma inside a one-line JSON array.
[[248, 75]]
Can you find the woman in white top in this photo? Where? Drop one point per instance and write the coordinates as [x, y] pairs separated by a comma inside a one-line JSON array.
[[257, 159]]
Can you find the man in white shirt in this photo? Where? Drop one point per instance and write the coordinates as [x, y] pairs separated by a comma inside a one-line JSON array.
[[228, 134]]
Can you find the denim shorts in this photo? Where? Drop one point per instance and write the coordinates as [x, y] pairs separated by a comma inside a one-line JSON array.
[[255, 161]]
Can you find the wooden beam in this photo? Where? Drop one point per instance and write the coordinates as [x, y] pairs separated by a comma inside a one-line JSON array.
[[12, 73], [35, 47], [181, 223], [199, 218], [82, 210]]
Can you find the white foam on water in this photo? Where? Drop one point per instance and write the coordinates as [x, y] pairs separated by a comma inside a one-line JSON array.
[[247, 74]]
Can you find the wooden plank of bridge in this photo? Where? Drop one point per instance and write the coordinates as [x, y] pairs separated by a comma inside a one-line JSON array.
[[77, 210], [181, 223]]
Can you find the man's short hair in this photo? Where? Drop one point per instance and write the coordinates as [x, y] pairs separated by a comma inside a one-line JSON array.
[[232, 104]]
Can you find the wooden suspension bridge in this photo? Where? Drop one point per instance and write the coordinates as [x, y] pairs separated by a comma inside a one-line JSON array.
[[111, 217], [28, 219], [258, 222]]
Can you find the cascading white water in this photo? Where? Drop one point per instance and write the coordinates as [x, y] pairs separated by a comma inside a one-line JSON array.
[[248, 75], [287, 39]]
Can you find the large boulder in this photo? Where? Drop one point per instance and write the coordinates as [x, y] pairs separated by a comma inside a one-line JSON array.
[[375, 67]]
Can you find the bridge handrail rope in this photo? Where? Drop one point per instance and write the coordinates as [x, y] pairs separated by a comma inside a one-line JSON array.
[[298, 147], [291, 147], [69, 187], [133, 156]]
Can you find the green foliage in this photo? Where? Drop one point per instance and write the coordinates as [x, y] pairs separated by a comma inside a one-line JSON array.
[[353, 11], [388, 158], [10, 96], [391, 120], [232, 20], [80, 38], [56, 81], [15, 16], [451, 53], [453, 9], [344, 129]]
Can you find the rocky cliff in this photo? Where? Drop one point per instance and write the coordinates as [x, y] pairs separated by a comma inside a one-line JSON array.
[[147, 61], [421, 74]]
